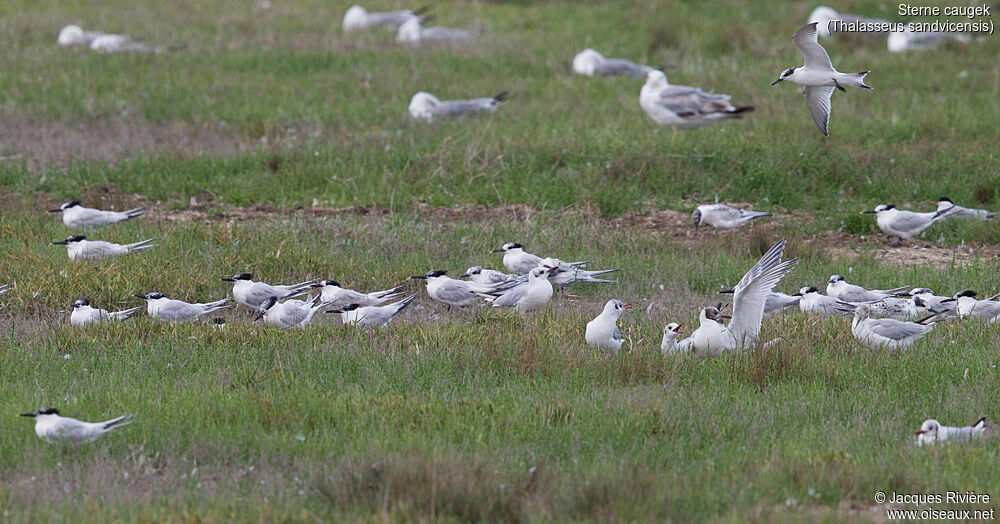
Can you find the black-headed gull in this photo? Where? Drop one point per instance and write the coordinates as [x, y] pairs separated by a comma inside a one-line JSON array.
[[931, 432], [603, 332]]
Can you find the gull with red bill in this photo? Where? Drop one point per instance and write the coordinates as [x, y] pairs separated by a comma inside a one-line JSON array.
[[669, 346]]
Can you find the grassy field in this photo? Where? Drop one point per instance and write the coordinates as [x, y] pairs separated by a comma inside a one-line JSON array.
[[268, 141]]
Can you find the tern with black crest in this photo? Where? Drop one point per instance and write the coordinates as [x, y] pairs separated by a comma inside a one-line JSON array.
[[252, 294], [84, 314], [79, 248], [76, 216], [371, 316], [839, 289], [903, 224], [952, 210], [166, 309], [53, 428], [336, 296]]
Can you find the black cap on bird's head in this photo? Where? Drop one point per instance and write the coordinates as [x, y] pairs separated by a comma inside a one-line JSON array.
[[41, 411], [152, 296], [65, 206], [784, 74], [431, 274], [238, 276], [836, 278], [967, 293], [803, 291], [507, 247], [80, 303], [474, 270], [324, 283], [70, 240]]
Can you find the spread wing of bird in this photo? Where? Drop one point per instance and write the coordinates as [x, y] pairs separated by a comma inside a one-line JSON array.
[[819, 99], [752, 292], [816, 57]]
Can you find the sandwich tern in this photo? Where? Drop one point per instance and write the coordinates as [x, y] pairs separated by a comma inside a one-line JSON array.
[[357, 18], [721, 216], [162, 308], [969, 305], [818, 76], [516, 259], [565, 273], [951, 210], [903, 224], [931, 432], [375, 316], [812, 302], [76, 216], [53, 428], [823, 15], [669, 345], [79, 248], [603, 331], [839, 289], [457, 293], [713, 337], [412, 31], [335, 296], [589, 62], [290, 313], [252, 294], [491, 276], [684, 107], [529, 296], [427, 107], [910, 40], [84, 314], [887, 333]]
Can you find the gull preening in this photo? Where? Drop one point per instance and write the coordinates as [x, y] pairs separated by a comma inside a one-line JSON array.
[[721, 216], [823, 15], [79, 248], [952, 210], [812, 302], [888, 333], [252, 294], [931, 432], [901, 223], [335, 296], [373, 316], [412, 31], [51, 427], [713, 336], [603, 332], [83, 314], [910, 40], [427, 107], [839, 289], [589, 62], [457, 293], [526, 297], [668, 344], [290, 313], [357, 18], [76, 216], [970, 305], [684, 107], [166, 309], [818, 77]]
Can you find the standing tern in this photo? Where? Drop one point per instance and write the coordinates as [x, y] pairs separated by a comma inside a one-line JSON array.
[[412, 31], [84, 314], [374, 316], [931, 432], [427, 107], [818, 77], [684, 107], [669, 345], [721, 216], [951, 210], [839, 289], [79, 248], [887, 333], [812, 302], [589, 62], [516, 259], [76, 216], [969, 305], [603, 332], [357, 18], [252, 294], [335, 296], [903, 224], [713, 337], [53, 428], [457, 293], [165, 309], [528, 296], [290, 313], [491, 276]]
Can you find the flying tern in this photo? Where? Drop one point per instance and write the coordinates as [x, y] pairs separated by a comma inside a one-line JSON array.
[[79, 248], [721, 216], [931, 432], [684, 107], [603, 332], [53, 428], [84, 314], [162, 308], [335, 296], [903, 224], [252, 294], [818, 77], [589, 62], [76, 216], [374, 316], [427, 107]]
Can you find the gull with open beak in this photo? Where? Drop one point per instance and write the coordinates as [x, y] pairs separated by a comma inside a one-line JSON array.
[[669, 345]]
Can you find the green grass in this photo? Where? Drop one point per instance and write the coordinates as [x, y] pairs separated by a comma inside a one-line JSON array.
[[443, 416]]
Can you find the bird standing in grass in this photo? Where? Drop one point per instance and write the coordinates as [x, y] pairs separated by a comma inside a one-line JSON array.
[[603, 332], [903, 224]]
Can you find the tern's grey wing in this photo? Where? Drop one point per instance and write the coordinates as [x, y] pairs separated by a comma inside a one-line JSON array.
[[444, 33], [178, 311], [464, 107], [621, 67], [986, 309], [260, 292], [87, 218], [511, 297], [912, 223], [816, 57], [819, 100], [897, 330], [454, 293], [688, 101], [859, 295]]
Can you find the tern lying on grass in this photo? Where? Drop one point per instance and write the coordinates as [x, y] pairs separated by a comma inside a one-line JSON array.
[[903, 224], [565, 273], [413, 31], [526, 297], [927, 303], [517, 260], [357, 18], [952, 210], [489, 277], [162, 308], [684, 107], [335, 296], [373, 316], [589, 62], [290, 313], [79, 248], [83, 314], [603, 332], [53, 428], [252, 294], [886, 333], [76, 216], [427, 107], [969, 305], [457, 293], [931, 432], [721, 216], [813, 302], [839, 289]]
